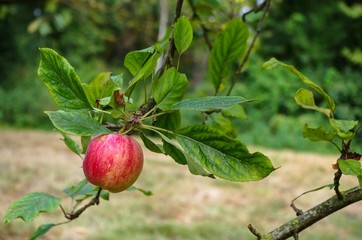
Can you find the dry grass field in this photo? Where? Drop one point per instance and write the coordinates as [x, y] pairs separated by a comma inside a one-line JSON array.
[[183, 206]]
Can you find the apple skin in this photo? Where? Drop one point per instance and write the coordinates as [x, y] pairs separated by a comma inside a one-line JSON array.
[[113, 162]]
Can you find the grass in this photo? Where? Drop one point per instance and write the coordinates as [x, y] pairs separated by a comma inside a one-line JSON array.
[[183, 206]]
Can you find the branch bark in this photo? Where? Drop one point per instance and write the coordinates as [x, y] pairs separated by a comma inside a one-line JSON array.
[[313, 215]]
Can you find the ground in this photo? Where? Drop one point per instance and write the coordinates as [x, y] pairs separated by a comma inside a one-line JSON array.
[[183, 206]]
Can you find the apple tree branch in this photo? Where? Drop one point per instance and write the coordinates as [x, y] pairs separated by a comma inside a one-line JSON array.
[[313, 215]]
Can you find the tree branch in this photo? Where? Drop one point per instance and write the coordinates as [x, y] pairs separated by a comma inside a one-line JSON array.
[[313, 215], [75, 214]]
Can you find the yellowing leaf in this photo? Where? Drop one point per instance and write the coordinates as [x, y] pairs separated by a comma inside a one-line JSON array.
[[305, 99]]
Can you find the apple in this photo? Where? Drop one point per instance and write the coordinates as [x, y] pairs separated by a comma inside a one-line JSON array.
[[113, 162]]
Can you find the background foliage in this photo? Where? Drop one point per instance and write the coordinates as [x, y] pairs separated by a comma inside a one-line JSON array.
[[321, 39]]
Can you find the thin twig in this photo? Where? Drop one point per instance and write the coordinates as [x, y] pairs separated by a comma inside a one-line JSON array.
[[75, 214], [203, 27], [171, 49], [265, 6], [254, 231], [299, 211], [313, 215], [337, 178]]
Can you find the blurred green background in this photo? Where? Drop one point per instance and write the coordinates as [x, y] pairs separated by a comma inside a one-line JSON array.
[[321, 38]]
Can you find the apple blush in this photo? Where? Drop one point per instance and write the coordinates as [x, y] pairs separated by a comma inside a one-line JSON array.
[[113, 162]]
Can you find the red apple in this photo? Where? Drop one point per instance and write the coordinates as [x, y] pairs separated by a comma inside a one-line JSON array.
[[113, 162]]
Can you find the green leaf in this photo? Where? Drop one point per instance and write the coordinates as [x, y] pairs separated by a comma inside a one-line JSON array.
[[175, 153], [236, 111], [169, 88], [343, 125], [71, 144], [305, 99], [149, 144], [85, 142], [42, 229], [170, 148], [222, 156], [272, 63], [210, 102], [350, 167], [76, 122], [343, 128], [182, 34], [118, 80], [30, 206], [100, 87], [218, 121], [197, 169], [61, 80], [228, 48], [135, 60], [169, 121], [84, 190], [317, 134], [141, 64]]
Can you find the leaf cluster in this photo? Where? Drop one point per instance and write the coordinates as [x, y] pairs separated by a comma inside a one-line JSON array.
[[341, 131]]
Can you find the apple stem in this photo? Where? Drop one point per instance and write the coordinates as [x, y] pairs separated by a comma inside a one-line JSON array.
[[75, 214]]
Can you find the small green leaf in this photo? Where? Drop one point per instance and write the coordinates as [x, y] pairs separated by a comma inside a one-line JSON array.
[[135, 60], [344, 128], [141, 64], [317, 134], [42, 229], [343, 125], [84, 190], [169, 88], [61, 80], [273, 63], [30, 206], [118, 80], [228, 48], [105, 101], [222, 156], [350, 167], [305, 99], [100, 87], [71, 144], [182, 34], [149, 144], [85, 141], [76, 122], [169, 121], [210, 102], [236, 111]]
